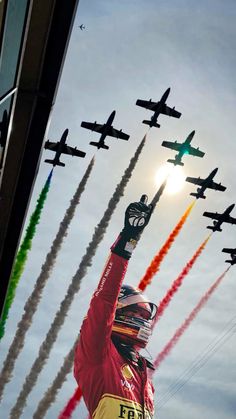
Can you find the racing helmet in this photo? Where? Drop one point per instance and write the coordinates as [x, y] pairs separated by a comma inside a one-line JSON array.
[[133, 328]]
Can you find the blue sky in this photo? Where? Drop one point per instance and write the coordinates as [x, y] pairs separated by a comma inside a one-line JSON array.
[[130, 50]]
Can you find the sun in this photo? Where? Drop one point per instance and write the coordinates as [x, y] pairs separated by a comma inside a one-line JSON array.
[[176, 178]]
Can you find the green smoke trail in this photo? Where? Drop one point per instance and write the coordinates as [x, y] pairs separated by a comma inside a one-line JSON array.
[[23, 253]]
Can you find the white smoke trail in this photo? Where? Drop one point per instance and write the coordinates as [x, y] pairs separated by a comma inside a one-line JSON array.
[[73, 288], [34, 299], [159, 193], [50, 395]]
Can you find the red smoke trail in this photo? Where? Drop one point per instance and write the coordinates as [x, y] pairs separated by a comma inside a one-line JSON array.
[[71, 405], [156, 262], [178, 282], [179, 332]]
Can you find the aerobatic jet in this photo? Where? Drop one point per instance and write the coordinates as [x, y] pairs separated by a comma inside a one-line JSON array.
[[61, 148], [82, 27], [232, 253], [204, 184], [182, 148], [220, 218], [158, 108], [105, 130]]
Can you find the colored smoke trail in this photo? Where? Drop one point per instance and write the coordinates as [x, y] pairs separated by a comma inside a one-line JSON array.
[[33, 301], [76, 397], [178, 282], [71, 405], [50, 395], [73, 288], [22, 254], [179, 332], [156, 262]]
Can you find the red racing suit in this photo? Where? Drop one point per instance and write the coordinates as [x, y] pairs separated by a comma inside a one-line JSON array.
[[112, 386]]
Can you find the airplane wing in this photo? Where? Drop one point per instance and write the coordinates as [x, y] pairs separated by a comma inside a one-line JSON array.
[[227, 250], [211, 184], [230, 220], [173, 145], [118, 134], [213, 215], [216, 186], [72, 151], [196, 152], [93, 126], [222, 217], [195, 180], [49, 145], [166, 110], [147, 104]]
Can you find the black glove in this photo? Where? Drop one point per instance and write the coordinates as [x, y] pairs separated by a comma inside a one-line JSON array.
[[137, 216]]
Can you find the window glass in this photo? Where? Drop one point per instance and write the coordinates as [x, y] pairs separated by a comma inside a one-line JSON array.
[[3, 5], [4, 118], [12, 36]]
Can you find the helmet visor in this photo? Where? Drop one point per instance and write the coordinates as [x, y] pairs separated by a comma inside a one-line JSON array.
[[145, 310], [130, 296]]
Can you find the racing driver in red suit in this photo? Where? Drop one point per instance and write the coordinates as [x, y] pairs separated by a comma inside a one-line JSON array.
[[111, 373]]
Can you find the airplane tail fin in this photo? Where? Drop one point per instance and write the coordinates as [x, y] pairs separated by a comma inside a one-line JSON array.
[[175, 162], [213, 228], [59, 163], [197, 195], [151, 124], [49, 161], [99, 145]]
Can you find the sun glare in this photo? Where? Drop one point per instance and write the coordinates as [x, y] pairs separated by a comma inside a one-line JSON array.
[[176, 178]]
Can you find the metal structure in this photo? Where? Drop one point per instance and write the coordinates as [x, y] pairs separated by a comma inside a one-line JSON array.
[[33, 63]]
